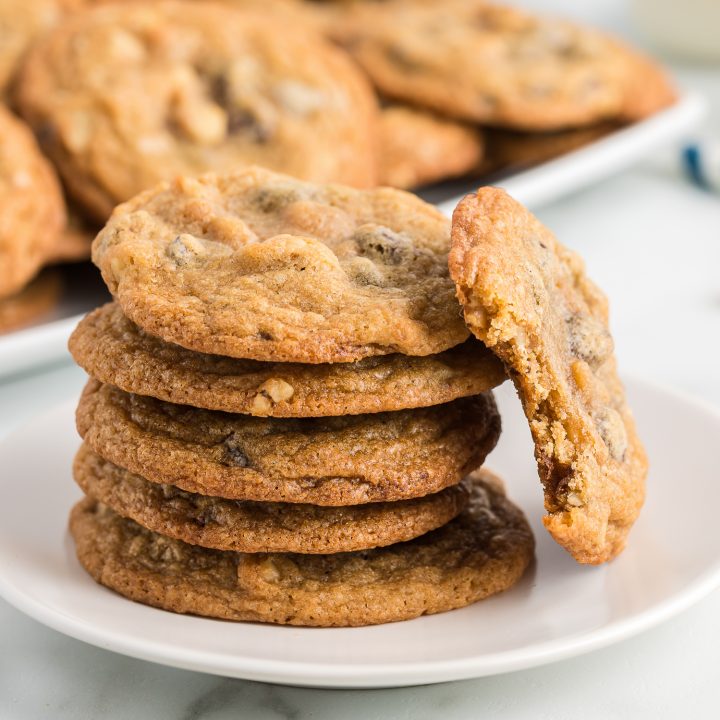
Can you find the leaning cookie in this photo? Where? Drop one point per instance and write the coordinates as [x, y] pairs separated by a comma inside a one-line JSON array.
[[128, 94], [322, 461], [482, 552], [32, 209], [497, 65], [528, 298], [253, 264], [114, 350], [221, 524], [418, 147]]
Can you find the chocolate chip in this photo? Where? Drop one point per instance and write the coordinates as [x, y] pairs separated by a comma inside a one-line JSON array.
[[264, 335], [234, 454], [274, 198], [242, 121], [239, 119], [381, 243], [398, 56], [589, 339]]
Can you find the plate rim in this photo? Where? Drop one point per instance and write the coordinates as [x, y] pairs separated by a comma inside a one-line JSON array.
[[358, 676]]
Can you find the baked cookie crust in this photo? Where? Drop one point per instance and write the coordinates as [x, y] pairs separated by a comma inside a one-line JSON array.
[[321, 461], [484, 551], [528, 299]]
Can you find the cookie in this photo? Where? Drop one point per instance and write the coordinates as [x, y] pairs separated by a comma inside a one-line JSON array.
[[126, 95], [497, 65], [528, 298], [31, 303], [32, 209], [322, 461], [114, 350], [22, 22], [222, 524], [484, 551], [258, 265], [418, 147]]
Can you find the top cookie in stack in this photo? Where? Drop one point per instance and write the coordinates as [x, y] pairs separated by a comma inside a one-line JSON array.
[[285, 370]]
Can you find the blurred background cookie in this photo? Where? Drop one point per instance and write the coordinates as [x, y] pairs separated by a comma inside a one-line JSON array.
[[180, 87], [32, 209]]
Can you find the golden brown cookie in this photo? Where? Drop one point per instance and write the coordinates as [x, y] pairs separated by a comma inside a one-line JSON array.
[[497, 65], [482, 552], [114, 350], [31, 303], [322, 461], [22, 22], [418, 147], [258, 265], [249, 526], [125, 95], [528, 298], [32, 210]]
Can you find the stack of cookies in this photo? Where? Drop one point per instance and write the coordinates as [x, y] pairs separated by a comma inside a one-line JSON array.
[[285, 412]]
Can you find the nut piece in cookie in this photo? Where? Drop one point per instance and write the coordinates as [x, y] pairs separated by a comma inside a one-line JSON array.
[[483, 551], [528, 299], [253, 264], [496, 65]]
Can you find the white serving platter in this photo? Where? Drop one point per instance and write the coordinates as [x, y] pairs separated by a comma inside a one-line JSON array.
[[558, 610]]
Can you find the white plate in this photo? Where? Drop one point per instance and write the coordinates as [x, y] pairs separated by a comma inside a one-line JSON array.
[[47, 342], [558, 610]]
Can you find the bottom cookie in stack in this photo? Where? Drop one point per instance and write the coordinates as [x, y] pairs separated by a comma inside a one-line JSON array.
[[324, 521], [483, 551]]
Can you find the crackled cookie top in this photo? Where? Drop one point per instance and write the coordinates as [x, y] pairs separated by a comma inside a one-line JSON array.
[[482, 552], [322, 461], [125, 95], [257, 265], [32, 210], [114, 350], [528, 298], [418, 147], [501, 66], [247, 526]]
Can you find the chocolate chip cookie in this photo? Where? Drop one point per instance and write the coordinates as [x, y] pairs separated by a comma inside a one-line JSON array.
[[114, 350], [418, 147], [32, 209], [322, 461], [482, 552], [125, 95], [497, 65], [249, 526], [257, 265], [528, 298]]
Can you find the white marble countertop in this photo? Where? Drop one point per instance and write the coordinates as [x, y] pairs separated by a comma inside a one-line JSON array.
[[653, 243]]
